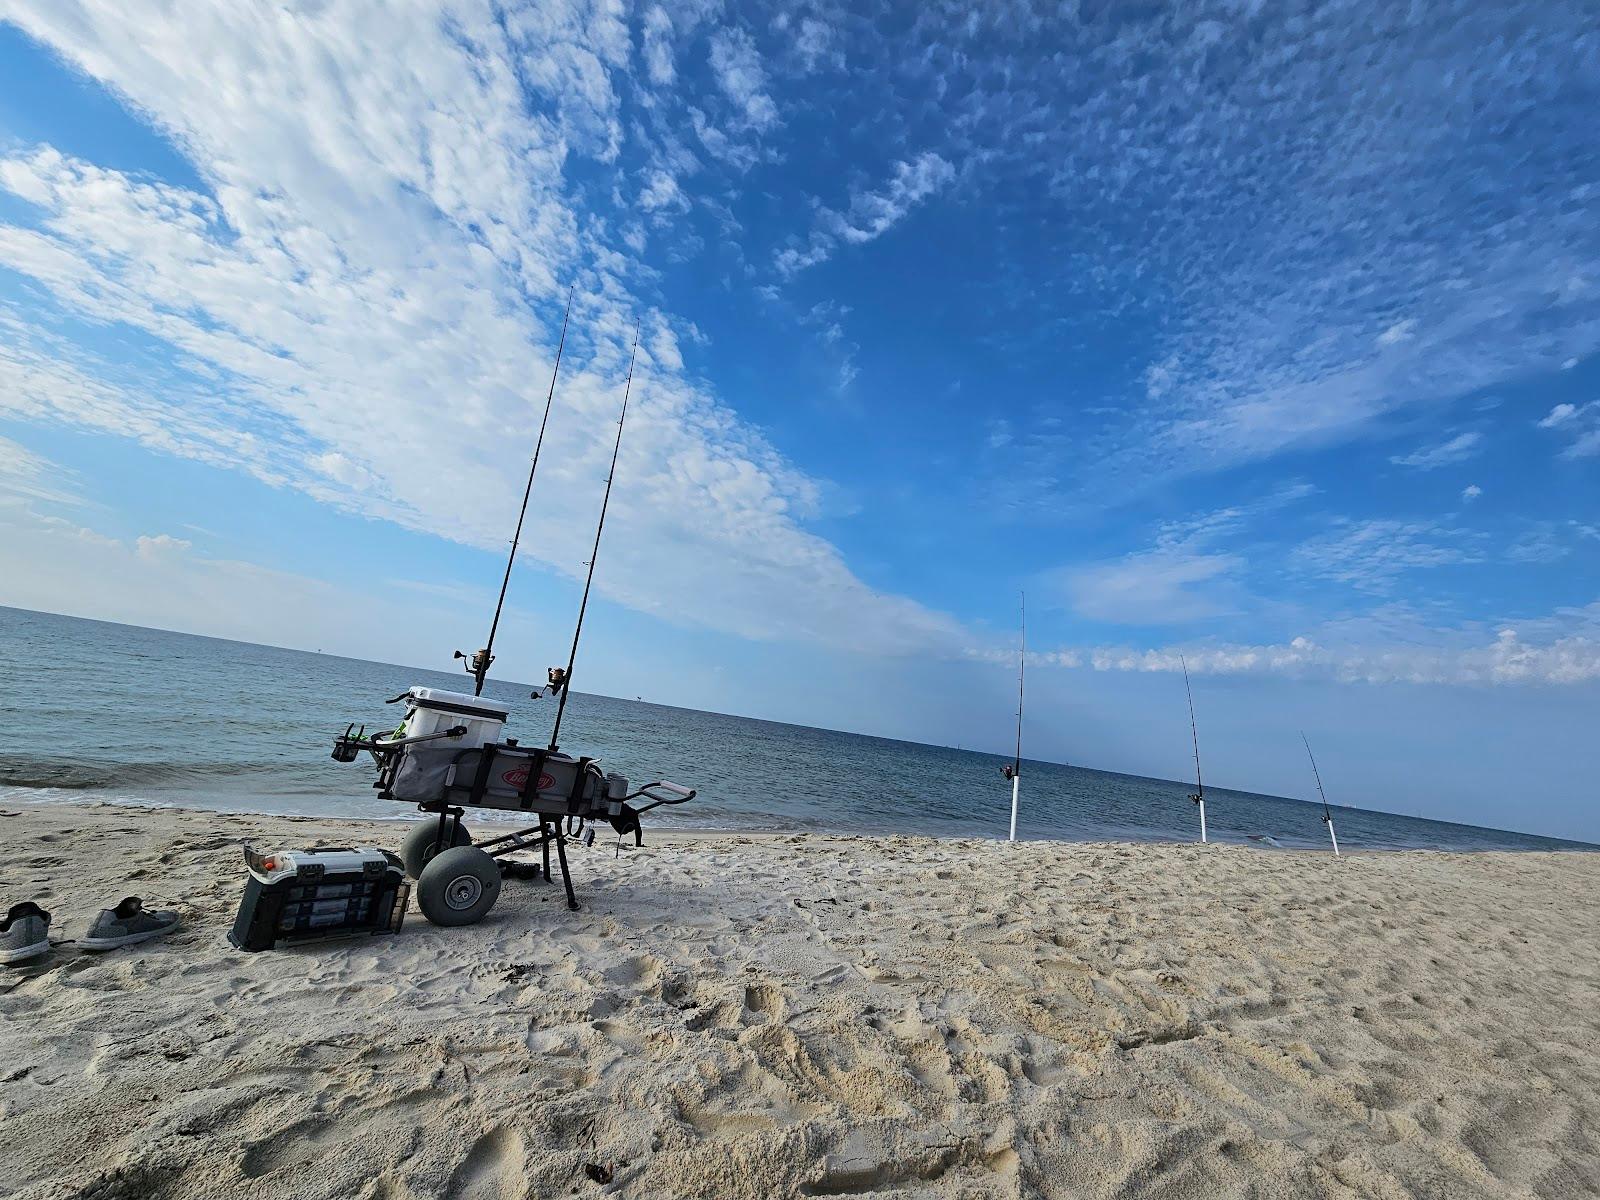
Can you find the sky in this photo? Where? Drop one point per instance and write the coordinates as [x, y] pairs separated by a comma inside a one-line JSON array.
[[1260, 338]]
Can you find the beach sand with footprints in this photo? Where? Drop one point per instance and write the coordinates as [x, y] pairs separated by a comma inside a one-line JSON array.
[[762, 1016]]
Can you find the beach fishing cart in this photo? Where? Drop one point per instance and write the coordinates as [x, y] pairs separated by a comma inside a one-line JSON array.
[[447, 756]]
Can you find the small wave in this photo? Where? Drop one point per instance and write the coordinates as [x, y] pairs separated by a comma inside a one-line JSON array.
[[87, 775], [49, 783]]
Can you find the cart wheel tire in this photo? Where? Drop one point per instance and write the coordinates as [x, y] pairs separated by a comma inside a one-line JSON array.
[[422, 843], [458, 886]]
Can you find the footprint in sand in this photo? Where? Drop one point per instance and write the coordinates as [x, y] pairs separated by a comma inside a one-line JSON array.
[[301, 1142], [492, 1169], [762, 1003]]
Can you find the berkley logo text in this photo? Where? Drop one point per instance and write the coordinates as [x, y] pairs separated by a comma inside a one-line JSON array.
[[518, 778]]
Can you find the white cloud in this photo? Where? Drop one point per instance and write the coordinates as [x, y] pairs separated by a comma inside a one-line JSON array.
[[814, 43], [1470, 493], [1184, 577], [870, 214], [343, 470], [1277, 320], [1538, 545], [734, 153], [25, 476], [658, 56], [1157, 588], [1398, 332], [1395, 645], [1372, 555], [1472, 659], [1205, 528], [662, 193], [1581, 422], [160, 545], [363, 302], [1586, 446], [737, 65], [1453, 450]]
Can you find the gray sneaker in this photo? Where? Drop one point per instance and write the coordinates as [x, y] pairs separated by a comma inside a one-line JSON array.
[[127, 923], [24, 933]]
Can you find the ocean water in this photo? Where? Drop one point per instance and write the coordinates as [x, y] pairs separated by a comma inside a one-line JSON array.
[[93, 711]]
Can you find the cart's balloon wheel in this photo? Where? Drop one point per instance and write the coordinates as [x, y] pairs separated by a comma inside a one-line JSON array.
[[422, 844], [458, 886]]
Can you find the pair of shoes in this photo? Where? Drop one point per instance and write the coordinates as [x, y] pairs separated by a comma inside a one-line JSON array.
[[25, 930]]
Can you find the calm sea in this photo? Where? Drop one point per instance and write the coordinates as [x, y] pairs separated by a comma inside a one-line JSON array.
[[116, 712]]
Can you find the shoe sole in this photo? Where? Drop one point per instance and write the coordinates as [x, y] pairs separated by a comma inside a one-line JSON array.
[[131, 939], [7, 957]]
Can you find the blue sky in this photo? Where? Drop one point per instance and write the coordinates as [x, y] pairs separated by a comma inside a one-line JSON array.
[[1263, 335]]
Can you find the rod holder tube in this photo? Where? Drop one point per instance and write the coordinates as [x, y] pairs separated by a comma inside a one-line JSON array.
[[1022, 674]]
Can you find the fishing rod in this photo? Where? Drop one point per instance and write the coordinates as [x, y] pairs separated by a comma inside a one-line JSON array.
[[1022, 670], [478, 665], [594, 554], [1327, 814], [1199, 796]]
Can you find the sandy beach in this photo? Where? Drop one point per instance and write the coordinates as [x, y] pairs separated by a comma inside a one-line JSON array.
[[769, 1016]]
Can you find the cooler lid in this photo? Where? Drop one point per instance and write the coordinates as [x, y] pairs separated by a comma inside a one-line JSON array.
[[458, 702]]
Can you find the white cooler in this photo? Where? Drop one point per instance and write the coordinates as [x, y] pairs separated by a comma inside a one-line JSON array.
[[434, 710]]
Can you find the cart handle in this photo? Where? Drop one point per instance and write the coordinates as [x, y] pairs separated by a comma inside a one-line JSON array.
[[677, 794]]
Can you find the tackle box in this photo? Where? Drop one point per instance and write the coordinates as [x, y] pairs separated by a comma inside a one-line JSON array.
[[306, 895]]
